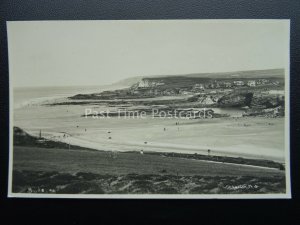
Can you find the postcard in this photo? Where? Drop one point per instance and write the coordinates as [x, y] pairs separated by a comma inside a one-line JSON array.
[[149, 109]]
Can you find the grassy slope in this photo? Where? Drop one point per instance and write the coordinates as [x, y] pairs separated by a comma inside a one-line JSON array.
[[81, 171], [72, 161]]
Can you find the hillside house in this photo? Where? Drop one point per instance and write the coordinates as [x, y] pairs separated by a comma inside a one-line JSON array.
[[227, 84], [199, 87], [238, 83], [262, 81], [251, 83]]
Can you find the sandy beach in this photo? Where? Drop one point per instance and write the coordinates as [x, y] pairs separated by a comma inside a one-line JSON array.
[[261, 138]]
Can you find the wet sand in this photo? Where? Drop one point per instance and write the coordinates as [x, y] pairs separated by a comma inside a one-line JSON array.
[[261, 138]]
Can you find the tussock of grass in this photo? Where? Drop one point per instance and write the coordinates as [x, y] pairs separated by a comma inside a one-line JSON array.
[[79, 187], [89, 183]]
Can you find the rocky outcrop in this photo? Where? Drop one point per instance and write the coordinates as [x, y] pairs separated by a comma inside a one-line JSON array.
[[206, 100], [270, 112], [145, 83], [235, 100], [252, 100], [266, 101]]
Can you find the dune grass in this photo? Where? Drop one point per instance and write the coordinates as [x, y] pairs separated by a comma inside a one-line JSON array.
[[63, 171]]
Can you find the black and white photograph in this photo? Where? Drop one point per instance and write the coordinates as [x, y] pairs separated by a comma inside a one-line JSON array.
[[149, 109]]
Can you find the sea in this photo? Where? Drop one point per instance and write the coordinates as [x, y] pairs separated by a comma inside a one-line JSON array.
[[23, 96]]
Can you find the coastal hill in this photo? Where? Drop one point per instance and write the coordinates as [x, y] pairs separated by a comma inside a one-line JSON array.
[[257, 89], [251, 74], [275, 73], [128, 81]]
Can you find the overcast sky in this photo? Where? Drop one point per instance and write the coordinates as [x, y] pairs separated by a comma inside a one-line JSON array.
[[102, 52]]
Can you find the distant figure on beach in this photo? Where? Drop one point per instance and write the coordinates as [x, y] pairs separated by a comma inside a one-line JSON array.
[[208, 152], [164, 129], [85, 129], [113, 155], [142, 152]]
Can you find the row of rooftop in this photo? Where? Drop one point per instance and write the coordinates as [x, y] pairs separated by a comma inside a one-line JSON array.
[[236, 83], [215, 84]]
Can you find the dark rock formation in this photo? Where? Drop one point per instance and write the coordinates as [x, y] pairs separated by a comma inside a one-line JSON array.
[[267, 101], [236, 100]]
